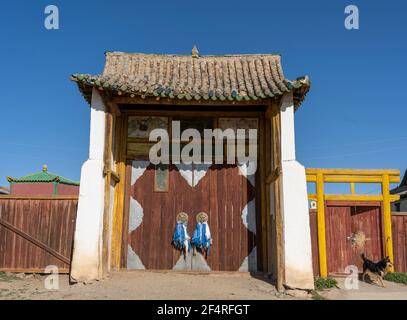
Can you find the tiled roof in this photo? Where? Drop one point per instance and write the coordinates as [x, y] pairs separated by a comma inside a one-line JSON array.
[[402, 188], [43, 176], [193, 77], [4, 190]]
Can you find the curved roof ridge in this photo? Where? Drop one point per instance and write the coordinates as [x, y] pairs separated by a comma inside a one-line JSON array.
[[42, 176], [188, 55], [238, 77]]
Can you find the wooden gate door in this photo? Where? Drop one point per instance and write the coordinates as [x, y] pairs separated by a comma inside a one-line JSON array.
[[36, 232], [352, 229], [367, 221], [156, 194]]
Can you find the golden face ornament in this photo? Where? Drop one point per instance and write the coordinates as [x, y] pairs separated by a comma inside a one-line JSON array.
[[182, 217], [202, 217]]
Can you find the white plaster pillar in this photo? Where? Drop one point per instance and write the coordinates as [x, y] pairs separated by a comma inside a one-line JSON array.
[[87, 247], [294, 200]]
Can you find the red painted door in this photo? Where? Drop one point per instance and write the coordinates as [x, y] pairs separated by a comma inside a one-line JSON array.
[[352, 229], [338, 228], [156, 197], [366, 220]]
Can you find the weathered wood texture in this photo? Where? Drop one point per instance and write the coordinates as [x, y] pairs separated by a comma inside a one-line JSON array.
[[222, 194], [262, 252], [107, 159], [120, 141], [277, 187], [314, 241], [399, 226], [35, 233], [344, 219]]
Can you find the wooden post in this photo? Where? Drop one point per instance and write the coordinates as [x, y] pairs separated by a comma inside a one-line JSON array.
[[276, 140], [118, 207], [268, 169], [352, 187], [323, 272], [263, 205], [387, 218], [352, 176], [107, 169]]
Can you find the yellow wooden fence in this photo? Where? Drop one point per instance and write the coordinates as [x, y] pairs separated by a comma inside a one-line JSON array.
[[351, 176]]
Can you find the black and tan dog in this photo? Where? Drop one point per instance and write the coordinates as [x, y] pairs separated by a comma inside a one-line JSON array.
[[375, 269]]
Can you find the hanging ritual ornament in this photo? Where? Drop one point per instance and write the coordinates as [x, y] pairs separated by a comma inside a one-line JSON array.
[[358, 240], [201, 239], [180, 237]]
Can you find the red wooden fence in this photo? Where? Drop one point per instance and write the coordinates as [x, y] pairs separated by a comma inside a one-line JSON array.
[[399, 226], [36, 232], [314, 241]]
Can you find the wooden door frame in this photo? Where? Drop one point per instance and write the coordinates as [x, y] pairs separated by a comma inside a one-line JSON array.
[[273, 164], [119, 214], [118, 203], [126, 211], [320, 176]]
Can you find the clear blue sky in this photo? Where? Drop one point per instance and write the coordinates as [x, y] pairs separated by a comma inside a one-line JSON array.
[[355, 115]]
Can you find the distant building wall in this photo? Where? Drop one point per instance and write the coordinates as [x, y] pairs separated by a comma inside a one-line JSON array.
[[32, 189], [400, 206], [43, 189], [66, 189]]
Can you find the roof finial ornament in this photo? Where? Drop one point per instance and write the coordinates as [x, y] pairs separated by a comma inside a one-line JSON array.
[[44, 168], [195, 52]]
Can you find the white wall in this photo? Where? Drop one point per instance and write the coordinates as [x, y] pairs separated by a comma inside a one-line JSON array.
[[297, 235], [87, 251]]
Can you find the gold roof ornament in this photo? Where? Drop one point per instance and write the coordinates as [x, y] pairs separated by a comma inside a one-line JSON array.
[[44, 168], [195, 52]]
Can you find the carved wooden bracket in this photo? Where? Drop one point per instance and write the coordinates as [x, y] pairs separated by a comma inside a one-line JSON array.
[[115, 177], [274, 175]]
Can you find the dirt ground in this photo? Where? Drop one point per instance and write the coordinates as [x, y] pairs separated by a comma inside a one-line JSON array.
[[146, 285], [392, 291]]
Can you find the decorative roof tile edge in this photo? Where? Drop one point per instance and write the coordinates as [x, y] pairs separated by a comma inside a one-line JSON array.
[[300, 87], [120, 53], [4, 190], [234, 78], [53, 178]]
